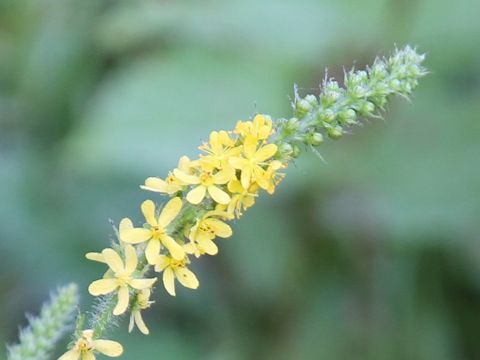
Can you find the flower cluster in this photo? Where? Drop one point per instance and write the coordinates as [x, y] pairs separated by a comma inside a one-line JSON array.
[[206, 193]]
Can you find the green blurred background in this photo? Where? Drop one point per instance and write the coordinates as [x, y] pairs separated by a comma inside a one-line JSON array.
[[373, 255]]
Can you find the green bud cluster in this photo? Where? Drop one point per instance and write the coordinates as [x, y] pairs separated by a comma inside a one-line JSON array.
[[364, 95], [37, 341]]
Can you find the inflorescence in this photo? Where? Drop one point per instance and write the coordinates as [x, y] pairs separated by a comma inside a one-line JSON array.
[[202, 195]]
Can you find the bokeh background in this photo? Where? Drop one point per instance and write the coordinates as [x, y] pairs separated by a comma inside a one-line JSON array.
[[374, 254]]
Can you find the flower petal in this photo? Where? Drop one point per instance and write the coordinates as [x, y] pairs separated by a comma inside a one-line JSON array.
[[113, 260], [108, 347], [170, 211], [141, 284], [169, 280], [70, 355], [265, 152], [154, 184], [219, 195], [235, 186], [221, 229], [162, 262], [186, 278], [152, 251], [187, 179], [148, 210], [140, 324], [131, 260], [135, 236], [123, 299], [207, 245], [250, 146], [222, 177], [238, 162], [95, 256], [173, 247], [132, 321], [196, 195], [88, 356], [191, 249], [125, 224], [184, 164], [102, 286], [246, 177]]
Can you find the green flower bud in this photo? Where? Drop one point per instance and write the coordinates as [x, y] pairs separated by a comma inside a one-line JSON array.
[[327, 115], [312, 100], [292, 125], [331, 93], [335, 132], [302, 108], [379, 100], [406, 88], [285, 150], [314, 138], [395, 84], [379, 70], [356, 78], [366, 108], [358, 92], [348, 116]]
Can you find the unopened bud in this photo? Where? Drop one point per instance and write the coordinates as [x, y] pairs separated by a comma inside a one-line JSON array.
[[292, 124], [366, 109], [314, 139], [348, 117], [327, 115], [302, 107], [285, 149], [331, 93], [312, 100], [394, 84], [335, 132]]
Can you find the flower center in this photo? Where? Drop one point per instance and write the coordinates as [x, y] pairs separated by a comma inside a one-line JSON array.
[[206, 229], [170, 179], [123, 279], [177, 263], [143, 303], [206, 179], [158, 231], [84, 345]]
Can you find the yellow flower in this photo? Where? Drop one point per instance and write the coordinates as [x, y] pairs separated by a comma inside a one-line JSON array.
[[206, 181], [122, 279], [205, 230], [219, 149], [252, 162], [85, 347], [272, 178], [171, 184], [156, 234], [260, 128], [142, 302], [175, 269], [242, 198]]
